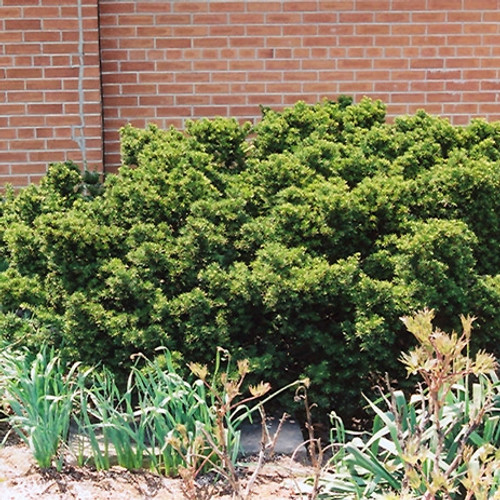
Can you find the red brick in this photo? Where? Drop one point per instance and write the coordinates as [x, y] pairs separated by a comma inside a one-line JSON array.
[[490, 108], [22, 48], [429, 17], [480, 28], [25, 133], [18, 181], [458, 40], [466, 108], [298, 6], [170, 19], [26, 144], [256, 42], [23, 24], [190, 54], [371, 5], [481, 4], [407, 97], [394, 18], [4, 171], [247, 18], [356, 52], [227, 6], [283, 87], [391, 86], [462, 86], [191, 6], [11, 12], [308, 64], [386, 63], [247, 65], [354, 64], [284, 18], [190, 31], [166, 66], [227, 30], [192, 77], [300, 30], [136, 67], [263, 76], [135, 89], [444, 74], [250, 53], [20, 121], [350, 41], [247, 88], [463, 62], [265, 29], [24, 73], [210, 111], [10, 158], [117, 31], [210, 88], [156, 7], [479, 74], [172, 43], [426, 63], [151, 31], [25, 96], [464, 52], [269, 6], [113, 7], [36, 156], [145, 43], [356, 17], [228, 100], [490, 85], [444, 4], [336, 75], [406, 5], [218, 42], [373, 29], [189, 100], [485, 96], [336, 5], [444, 28]]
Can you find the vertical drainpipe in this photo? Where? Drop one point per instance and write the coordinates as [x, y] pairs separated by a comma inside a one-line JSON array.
[[101, 93], [78, 131]]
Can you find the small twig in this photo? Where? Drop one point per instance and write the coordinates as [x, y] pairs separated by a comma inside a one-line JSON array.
[[264, 441], [272, 444]]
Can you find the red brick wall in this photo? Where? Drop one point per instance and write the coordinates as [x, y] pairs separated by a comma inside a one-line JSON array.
[[166, 61], [50, 100]]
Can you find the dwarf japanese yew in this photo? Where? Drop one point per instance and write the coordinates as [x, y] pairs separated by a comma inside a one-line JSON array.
[[297, 243]]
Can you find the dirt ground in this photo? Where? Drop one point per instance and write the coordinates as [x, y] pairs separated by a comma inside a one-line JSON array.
[[20, 479]]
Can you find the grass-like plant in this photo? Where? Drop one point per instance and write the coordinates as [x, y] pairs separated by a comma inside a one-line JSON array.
[[159, 420], [174, 410], [39, 393], [440, 443], [156, 422]]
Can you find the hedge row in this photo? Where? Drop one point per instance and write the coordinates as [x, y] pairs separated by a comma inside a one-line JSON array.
[[298, 243]]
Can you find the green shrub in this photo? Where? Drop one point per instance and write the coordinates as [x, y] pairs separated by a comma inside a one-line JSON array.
[[298, 243]]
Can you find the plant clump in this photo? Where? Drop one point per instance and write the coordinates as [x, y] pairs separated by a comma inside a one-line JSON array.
[[442, 442], [296, 243]]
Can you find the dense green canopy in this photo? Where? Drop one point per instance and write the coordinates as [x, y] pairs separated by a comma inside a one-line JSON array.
[[298, 243]]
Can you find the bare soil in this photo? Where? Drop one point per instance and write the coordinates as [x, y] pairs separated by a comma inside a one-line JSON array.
[[21, 479]]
